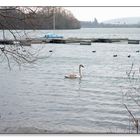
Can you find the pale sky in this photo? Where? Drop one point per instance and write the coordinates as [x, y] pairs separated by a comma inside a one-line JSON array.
[[103, 13]]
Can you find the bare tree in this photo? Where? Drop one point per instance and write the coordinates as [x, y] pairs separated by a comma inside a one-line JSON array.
[[131, 96], [13, 19], [13, 49]]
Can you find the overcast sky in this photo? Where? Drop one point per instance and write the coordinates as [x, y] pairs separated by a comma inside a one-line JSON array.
[[103, 13]]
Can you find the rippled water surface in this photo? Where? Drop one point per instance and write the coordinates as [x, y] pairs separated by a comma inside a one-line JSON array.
[[39, 97]]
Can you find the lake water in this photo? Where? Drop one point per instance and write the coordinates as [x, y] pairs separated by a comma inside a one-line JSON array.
[[39, 99]]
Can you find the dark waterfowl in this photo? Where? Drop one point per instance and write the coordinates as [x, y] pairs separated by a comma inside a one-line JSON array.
[[129, 56], [50, 50], [115, 55]]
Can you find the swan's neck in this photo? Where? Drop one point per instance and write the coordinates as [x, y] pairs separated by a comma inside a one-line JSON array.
[[80, 74]]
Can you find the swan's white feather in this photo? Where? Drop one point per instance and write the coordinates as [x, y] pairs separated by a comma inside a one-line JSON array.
[[72, 76]]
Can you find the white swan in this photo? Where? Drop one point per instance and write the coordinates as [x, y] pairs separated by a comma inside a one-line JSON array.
[[73, 75]]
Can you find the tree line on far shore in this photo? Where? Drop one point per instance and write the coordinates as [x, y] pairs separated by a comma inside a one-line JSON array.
[[96, 24], [37, 18]]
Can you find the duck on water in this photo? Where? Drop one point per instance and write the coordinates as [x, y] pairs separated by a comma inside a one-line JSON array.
[[74, 75]]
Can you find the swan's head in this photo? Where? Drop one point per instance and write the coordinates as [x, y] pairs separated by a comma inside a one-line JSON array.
[[81, 66]]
